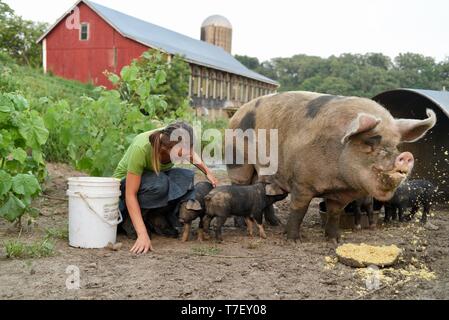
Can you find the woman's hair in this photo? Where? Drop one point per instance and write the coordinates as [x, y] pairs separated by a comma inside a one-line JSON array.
[[162, 138]]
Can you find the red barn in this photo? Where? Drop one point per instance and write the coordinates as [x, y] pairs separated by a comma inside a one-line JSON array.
[[90, 39]]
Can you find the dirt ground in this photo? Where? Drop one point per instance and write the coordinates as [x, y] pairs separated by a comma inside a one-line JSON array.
[[239, 268]]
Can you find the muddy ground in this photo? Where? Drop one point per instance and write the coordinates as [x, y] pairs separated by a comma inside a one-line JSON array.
[[239, 268]]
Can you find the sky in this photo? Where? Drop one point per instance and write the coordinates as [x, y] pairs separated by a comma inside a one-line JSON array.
[[283, 28]]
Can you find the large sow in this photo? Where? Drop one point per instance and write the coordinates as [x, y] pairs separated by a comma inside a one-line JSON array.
[[337, 148]]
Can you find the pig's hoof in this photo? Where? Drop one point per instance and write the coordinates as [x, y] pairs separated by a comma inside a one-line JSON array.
[[333, 240], [373, 226], [293, 234], [273, 221], [358, 227], [293, 241], [206, 237], [185, 237]]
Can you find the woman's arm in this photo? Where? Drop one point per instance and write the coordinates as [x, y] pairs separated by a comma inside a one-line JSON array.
[[143, 242], [196, 160]]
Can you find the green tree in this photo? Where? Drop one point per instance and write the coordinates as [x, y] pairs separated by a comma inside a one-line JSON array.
[[443, 74], [249, 62], [18, 37], [354, 74], [416, 71]]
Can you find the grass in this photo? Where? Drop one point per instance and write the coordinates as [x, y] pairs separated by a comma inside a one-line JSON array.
[[206, 251], [16, 249], [33, 84], [57, 233]]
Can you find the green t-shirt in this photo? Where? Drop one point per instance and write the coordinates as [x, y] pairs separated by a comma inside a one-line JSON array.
[[137, 158]]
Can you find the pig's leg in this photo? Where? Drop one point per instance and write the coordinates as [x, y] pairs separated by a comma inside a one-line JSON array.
[[206, 225], [413, 211], [249, 225], [219, 227], [370, 212], [357, 217], [426, 211], [401, 214], [387, 211], [201, 230], [259, 221], [186, 232], [242, 175], [270, 216], [262, 233], [394, 213], [298, 209], [332, 229]]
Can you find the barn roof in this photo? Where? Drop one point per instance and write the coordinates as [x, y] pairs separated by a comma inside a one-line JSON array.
[[193, 50], [438, 98]]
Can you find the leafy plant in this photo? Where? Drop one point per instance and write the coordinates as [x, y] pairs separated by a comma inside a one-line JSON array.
[[22, 165], [165, 79], [57, 233]]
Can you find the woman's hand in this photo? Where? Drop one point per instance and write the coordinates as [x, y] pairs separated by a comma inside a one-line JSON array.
[[142, 245], [210, 176], [197, 162]]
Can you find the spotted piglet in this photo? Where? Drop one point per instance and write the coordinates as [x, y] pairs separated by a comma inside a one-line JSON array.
[[193, 209], [242, 201]]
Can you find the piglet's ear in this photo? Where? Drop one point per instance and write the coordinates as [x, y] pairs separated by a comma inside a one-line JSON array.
[[363, 123], [273, 190], [412, 130], [193, 205]]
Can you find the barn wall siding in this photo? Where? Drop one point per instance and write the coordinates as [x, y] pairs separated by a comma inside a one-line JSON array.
[[86, 61]]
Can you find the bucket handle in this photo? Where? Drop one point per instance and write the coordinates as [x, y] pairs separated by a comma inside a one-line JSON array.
[[111, 223]]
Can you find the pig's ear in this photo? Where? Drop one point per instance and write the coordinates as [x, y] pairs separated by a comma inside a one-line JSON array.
[[363, 123], [273, 190], [412, 130], [193, 205]]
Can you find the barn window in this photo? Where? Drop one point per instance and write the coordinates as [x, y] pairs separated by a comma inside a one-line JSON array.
[[84, 32]]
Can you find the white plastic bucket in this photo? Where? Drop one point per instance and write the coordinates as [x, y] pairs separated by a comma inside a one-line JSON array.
[[94, 185], [93, 212]]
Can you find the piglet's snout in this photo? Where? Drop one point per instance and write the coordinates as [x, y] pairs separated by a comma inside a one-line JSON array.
[[404, 162]]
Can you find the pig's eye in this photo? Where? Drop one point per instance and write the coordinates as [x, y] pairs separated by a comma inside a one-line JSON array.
[[373, 141]]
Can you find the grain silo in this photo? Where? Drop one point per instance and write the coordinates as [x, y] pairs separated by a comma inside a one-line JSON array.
[[217, 30]]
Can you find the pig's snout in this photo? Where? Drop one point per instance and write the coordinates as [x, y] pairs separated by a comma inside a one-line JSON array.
[[404, 163]]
